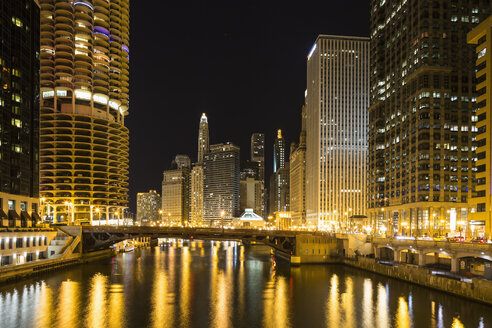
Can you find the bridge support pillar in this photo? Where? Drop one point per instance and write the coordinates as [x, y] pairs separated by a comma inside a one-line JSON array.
[[396, 255], [454, 264], [421, 259]]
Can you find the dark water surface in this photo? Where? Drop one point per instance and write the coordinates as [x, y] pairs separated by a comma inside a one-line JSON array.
[[212, 284]]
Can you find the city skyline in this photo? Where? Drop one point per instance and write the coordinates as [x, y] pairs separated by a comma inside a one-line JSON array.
[[264, 38]]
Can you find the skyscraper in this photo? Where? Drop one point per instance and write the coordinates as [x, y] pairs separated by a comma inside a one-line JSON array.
[[258, 160], [84, 101], [19, 110], [203, 139], [176, 191], [148, 206], [481, 205], [422, 115], [297, 181], [279, 152], [336, 140], [221, 184]]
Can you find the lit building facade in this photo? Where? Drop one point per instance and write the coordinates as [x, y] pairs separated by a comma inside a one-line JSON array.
[[19, 112], [279, 152], [297, 173], [258, 158], [251, 194], [148, 206], [336, 129], [203, 139], [176, 191], [84, 99], [480, 219], [422, 116], [221, 182], [196, 194]]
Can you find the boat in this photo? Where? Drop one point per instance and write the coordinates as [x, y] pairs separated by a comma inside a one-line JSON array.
[[129, 248]]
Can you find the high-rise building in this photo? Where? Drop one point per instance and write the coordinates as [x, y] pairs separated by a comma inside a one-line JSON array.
[[258, 159], [148, 206], [84, 80], [281, 190], [422, 115], [251, 195], [19, 111], [203, 139], [196, 194], [221, 184], [176, 192], [480, 219], [297, 181], [279, 152], [336, 140]]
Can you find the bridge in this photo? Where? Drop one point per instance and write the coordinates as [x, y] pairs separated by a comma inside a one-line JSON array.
[[101, 237], [454, 256]]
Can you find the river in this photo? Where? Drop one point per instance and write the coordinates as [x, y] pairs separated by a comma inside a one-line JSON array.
[[225, 284]]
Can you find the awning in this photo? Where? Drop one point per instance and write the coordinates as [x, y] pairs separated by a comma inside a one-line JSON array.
[[358, 217], [25, 216], [35, 216]]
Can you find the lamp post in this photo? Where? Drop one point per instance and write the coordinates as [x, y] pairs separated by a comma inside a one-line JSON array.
[[70, 204]]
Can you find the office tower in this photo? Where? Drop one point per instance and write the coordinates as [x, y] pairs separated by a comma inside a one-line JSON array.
[[422, 115], [258, 158], [480, 217], [19, 110], [148, 206], [182, 162], [196, 194], [251, 191], [176, 192], [203, 139], [336, 135], [84, 100], [279, 152], [282, 189], [221, 174], [297, 181]]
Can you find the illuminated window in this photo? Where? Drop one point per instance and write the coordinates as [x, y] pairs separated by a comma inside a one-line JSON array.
[[17, 22]]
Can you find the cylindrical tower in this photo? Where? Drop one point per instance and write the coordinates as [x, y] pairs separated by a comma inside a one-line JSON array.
[[84, 101]]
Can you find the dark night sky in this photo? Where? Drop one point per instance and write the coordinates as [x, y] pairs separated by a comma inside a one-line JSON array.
[[242, 63]]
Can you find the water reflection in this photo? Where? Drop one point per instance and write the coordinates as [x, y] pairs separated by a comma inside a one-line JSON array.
[[204, 284], [68, 304]]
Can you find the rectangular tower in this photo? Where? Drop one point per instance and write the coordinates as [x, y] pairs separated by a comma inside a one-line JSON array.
[[422, 116], [481, 205], [148, 206], [221, 182], [19, 109], [176, 195], [336, 130]]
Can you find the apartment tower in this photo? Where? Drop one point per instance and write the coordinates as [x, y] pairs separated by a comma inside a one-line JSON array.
[[336, 135], [422, 115], [84, 100]]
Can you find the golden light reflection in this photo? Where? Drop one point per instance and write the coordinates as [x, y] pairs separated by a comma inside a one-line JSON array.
[[457, 323], [241, 253], [162, 310], [221, 303], [68, 304], [403, 319], [367, 305], [97, 307], [116, 306], [333, 311], [276, 302], [44, 315], [184, 302], [382, 316], [348, 303]]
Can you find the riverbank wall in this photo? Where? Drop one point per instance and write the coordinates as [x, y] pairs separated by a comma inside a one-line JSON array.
[[16, 272], [475, 289]]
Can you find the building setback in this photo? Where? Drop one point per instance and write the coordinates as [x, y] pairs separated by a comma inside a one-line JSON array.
[[480, 219], [336, 135], [19, 111], [221, 182], [84, 79], [148, 206], [196, 178], [422, 115]]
